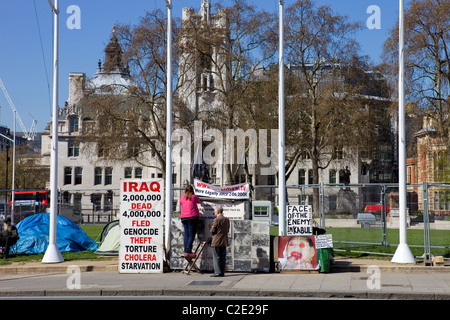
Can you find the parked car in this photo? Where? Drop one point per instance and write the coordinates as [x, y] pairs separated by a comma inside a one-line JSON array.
[[366, 220]]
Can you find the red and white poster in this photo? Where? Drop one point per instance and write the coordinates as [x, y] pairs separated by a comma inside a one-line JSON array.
[[141, 226], [297, 253]]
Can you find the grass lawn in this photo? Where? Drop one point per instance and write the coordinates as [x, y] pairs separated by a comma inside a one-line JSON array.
[[370, 240], [341, 240]]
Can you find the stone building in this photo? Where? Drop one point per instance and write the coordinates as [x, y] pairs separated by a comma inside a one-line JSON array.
[[430, 165], [90, 182]]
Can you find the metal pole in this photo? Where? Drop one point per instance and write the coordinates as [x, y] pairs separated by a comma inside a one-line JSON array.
[[426, 224], [169, 127], [52, 255], [14, 170], [384, 241], [403, 253], [281, 162]]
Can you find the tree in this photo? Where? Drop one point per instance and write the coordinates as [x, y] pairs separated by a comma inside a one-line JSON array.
[[29, 173], [227, 55], [329, 93], [129, 123], [427, 60]]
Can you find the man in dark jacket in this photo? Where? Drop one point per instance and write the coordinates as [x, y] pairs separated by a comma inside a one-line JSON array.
[[8, 236], [219, 231]]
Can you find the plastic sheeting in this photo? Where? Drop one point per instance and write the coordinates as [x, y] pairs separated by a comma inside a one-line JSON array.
[[34, 235]]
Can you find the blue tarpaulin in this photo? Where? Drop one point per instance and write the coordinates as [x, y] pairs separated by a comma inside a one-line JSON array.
[[34, 235]]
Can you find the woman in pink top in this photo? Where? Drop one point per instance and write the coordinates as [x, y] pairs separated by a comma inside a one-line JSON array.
[[189, 217]]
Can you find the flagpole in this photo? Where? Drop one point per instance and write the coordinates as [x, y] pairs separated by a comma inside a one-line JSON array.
[[169, 128], [403, 253], [281, 161], [52, 254]]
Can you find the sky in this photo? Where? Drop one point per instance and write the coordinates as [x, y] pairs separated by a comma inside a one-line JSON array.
[[26, 43]]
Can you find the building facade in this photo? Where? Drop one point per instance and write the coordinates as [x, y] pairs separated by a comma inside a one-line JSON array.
[[430, 165], [90, 181]]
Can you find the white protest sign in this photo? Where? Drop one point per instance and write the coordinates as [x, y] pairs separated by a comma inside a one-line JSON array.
[[238, 191], [231, 210], [141, 226], [299, 220], [324, 241]]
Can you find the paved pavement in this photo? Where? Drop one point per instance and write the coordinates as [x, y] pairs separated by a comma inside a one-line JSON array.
[[348, 279]]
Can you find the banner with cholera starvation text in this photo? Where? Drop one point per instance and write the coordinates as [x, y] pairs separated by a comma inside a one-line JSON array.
[[141, 226]]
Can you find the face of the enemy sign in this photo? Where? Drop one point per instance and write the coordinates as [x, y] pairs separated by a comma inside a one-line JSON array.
[[299, 220], [141, 226]]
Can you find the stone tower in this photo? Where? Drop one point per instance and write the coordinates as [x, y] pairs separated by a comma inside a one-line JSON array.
[[203, 62]]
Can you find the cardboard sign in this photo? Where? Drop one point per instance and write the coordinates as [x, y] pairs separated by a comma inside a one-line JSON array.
[[324, 241], [299, 220], [141, 226]]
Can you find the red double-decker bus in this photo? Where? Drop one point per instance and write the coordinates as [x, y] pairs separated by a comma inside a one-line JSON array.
[[27, 203], [33, 197]]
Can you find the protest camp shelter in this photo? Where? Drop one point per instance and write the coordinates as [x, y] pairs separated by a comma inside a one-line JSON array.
[[110, 239], [34, 235]]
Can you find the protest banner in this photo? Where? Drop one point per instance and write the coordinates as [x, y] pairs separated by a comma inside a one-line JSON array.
[[238, 191], [299, 220], [231, 210], [141, 226]]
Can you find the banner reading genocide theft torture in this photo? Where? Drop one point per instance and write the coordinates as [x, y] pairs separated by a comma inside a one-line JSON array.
[[141, 226]]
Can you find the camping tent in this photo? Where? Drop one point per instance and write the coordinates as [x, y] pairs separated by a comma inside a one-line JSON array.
[[34, 235], [109, 241]]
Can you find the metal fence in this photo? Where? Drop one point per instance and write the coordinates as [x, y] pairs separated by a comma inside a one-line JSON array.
[[361, 218], [364, 218]]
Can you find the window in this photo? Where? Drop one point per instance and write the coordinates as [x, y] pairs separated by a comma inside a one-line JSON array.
[[96, 199], [133, 149], [310, 176], [74, 148], [138, 173], [332, 202], [271, 180], [98, 174], [102, 151], [77, 203], [332, 176], [338, 153], [442, 200], [301, 177], [108, 175], [78, 175], [73, 125], [66, 197], [408, 174], [128, 173], [67, 175]]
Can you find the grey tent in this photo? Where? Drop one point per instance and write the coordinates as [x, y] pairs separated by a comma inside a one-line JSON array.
[[109, 240]]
